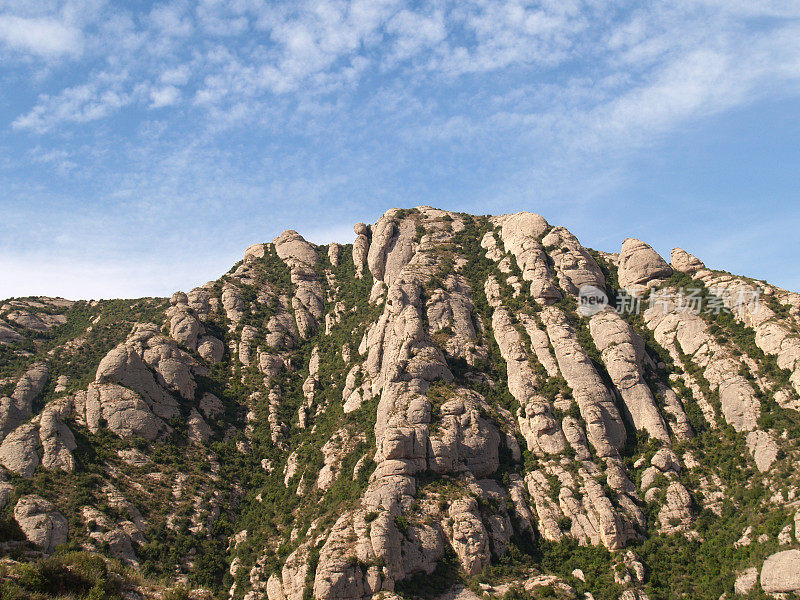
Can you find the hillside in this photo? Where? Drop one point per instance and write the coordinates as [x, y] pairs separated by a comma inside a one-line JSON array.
[[427, 412]]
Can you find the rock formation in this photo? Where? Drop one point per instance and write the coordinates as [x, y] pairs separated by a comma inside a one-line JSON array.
[[412, 419]]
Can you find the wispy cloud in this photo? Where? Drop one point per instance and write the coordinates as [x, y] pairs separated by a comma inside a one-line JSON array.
[[182, 121], [40, 36]]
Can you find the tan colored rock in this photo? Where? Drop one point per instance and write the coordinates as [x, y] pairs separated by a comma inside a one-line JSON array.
[[463, 440], [57, 439], [122, 410], [125, 366], [199, 431], [605, 429], [684, 262], [540, 428], [61, 384], [574, 265], [623, 352], [785, 535], [747, 579], [763, 448], [247, 341], [677, 420], [202, 301], [18, 452], [211, 406], [675, 515], [520, 235], [128, 363], [255, 252], [540, 344], [335, 253], [28, 320], [8, 336], [294, 250], [16, 409], [184, 326], [682, 332], [211, 349], [666, 460], [391, 247], [640, 266], [469, 538], [232, 304], [797, 525], [361, 248], [6, 490], [339, 572], [41, 523], [781, 572], [301, 258]]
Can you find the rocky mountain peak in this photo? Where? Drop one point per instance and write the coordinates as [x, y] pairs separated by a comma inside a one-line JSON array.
[[424, 412]]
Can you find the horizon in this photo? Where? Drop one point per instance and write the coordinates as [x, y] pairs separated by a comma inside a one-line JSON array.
[[665, 255]]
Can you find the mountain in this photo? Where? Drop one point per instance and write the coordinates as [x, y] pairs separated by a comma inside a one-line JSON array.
[[453, 406]]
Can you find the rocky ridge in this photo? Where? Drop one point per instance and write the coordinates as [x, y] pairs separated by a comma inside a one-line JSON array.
[[421, 410]]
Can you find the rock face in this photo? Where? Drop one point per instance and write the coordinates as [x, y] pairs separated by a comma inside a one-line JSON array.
[[781, 572], [16, 409], [763, 448], [684, 262], [640, 266], [18, 451], [57, 439], [520, 234], [41, 523], [301, 258], [746, 580], [432, 410], [574, 265], [623, 353], [686, 336], [604, 426]]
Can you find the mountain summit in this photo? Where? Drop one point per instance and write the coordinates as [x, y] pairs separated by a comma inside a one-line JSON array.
[[452, 406]]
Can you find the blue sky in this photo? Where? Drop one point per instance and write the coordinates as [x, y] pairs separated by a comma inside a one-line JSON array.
[[144, 145]]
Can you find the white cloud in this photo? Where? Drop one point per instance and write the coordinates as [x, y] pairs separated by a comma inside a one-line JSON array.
[[41, 36], [99, 98], [359, 93], [165, 96], [176, 76]]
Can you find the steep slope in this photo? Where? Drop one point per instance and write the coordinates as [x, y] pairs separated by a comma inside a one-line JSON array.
[[425, 410]]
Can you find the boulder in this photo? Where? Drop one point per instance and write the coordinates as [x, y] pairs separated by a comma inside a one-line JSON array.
[[747, 579], [640, 266], [57, 439], [361, 248], [16, 409], [335, 253], [391, 247], [18, 452], [8, 336], [254, 252], [763, 448], [520, 234], [41, 523], [199, 431], [781, 572], [684, 262], [574, 265], [210, 348], [122, 410]]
